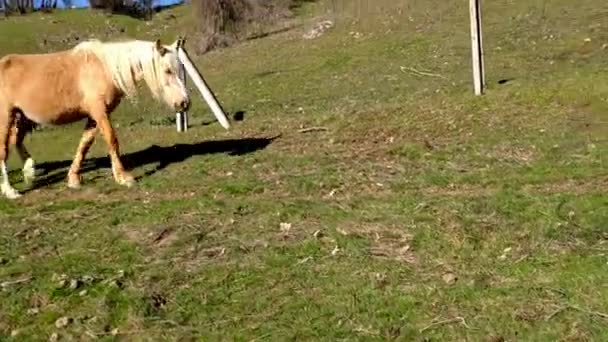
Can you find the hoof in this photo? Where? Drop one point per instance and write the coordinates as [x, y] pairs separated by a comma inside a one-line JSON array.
[[74, 185], [126, 179], [128, 182], [74, 182], [9, 192]]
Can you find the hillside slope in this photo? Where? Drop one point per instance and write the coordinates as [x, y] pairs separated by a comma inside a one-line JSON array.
[[413, 210]]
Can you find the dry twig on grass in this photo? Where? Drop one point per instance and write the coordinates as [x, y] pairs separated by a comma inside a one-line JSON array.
[[447, 321], [555, 313], [422, 73], [588, 312], [8, 283], [312, 129], [576, 308]]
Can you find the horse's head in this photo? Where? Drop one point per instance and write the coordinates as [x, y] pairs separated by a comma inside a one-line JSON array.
[[173, 89]]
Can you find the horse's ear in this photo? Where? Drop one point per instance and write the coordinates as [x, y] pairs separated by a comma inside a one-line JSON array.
[[160, 48]]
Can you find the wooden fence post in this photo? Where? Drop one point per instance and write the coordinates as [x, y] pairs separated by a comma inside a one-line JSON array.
[[181, 118], [477, 46]]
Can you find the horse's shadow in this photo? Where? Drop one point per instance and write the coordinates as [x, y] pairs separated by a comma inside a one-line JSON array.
[[53, 172]]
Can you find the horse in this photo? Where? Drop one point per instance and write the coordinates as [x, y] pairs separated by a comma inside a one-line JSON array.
[[84, 83]]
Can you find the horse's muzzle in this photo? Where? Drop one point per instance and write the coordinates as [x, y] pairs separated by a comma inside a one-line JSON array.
[[183, 106]]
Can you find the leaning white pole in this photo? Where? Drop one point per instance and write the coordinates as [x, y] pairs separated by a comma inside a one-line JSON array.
[[476, 46], [196, 76]]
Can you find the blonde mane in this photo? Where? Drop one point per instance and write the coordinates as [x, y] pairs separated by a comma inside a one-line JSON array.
[[127, 62]]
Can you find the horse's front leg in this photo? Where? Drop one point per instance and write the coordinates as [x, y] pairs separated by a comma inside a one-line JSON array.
[[88, 137], [7, 119], [121, 176]]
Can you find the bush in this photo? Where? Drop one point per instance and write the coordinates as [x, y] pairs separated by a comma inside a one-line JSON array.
[[137, 9], [220, 21]]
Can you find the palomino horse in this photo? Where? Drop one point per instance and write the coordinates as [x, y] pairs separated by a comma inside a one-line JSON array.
[[86, 82]]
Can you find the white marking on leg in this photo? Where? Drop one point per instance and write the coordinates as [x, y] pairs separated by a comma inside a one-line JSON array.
[[29, 171], [5, 187]]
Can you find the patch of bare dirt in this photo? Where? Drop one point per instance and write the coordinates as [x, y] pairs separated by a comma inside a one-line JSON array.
[[391, 243], [153, 238], [91, 192], [514, 154], [565, 186], [195, 256], [459, 190], [577, 333], [569, 186], [135, 234], [532, 312]]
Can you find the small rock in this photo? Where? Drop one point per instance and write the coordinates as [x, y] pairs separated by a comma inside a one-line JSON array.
[[495, 338], [87, 279], [450, 278], [116, 283], [571, 215], [62, 322], [15, 332], [318, 30], [285, 227], [335, 250], [74, 284], [62, 283], [318, 234], [82, 293], [214, 252], [54, 337], [342, 231], [33, 311], [58, 277]]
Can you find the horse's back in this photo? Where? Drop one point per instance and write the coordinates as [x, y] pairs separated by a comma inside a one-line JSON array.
[[7, 62], [46, 87]]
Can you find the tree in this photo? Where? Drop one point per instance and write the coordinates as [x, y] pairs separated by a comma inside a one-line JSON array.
[[218, 20], [21, 6], [222, 22]]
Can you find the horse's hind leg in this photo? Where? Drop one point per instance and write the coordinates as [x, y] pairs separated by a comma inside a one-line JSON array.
[[29, 170], [88, 136], [7, 119]]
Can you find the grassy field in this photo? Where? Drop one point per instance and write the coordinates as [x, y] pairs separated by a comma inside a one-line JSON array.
[[418, 212]]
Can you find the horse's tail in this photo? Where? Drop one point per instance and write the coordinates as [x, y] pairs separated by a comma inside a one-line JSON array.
[[22, 126]]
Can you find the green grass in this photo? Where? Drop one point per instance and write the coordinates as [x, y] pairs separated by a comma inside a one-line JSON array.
[[421, 213]]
